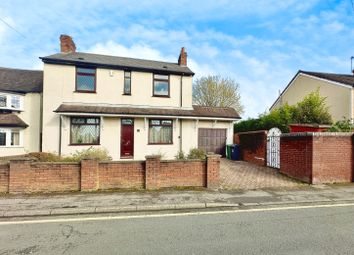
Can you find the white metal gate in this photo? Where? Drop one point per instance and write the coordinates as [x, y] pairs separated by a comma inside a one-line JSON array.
[[273, 148]]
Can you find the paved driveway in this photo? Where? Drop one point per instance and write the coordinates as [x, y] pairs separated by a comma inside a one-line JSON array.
[[244, 175]]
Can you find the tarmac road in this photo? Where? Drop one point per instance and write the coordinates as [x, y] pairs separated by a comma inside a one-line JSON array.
[[318, 229]]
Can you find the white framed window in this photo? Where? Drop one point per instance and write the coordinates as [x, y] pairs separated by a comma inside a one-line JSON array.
[[160, 131], [3, 100], [11, 137], [15, 102], [11, 102]]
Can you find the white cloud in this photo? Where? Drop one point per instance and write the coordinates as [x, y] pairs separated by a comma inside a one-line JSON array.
[[135, 51], [260, 44]]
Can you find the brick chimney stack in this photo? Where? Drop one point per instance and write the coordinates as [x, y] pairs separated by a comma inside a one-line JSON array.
[[67, 44], [182, 59]]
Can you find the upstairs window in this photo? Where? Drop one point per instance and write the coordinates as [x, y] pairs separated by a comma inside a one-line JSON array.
[[11, 102], [2, 138], [3, 100], [161, 85], [127, 83], [85, 79], [15, 102], [85, 131]]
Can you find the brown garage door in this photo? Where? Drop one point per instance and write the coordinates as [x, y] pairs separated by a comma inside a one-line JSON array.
[[212, 140]]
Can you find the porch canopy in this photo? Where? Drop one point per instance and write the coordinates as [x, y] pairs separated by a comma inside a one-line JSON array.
[[11, 120], [197, 112]]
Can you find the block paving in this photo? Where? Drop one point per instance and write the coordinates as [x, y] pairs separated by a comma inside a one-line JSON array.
[[244, 175]]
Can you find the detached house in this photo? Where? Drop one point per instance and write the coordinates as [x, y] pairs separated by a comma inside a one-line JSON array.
[[337, 88], [131, 107], [20, 111]]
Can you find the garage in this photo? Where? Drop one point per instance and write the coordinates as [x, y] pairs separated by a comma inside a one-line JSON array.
[[212, 140]]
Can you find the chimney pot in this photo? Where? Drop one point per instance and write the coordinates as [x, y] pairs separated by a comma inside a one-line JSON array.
[[182, 59], [67, 44]]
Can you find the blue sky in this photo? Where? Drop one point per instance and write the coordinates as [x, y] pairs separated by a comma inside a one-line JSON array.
[[260, 44]]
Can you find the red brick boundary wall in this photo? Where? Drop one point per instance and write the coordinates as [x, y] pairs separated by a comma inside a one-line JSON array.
[[317, 157], [27, 176], [253, 146]]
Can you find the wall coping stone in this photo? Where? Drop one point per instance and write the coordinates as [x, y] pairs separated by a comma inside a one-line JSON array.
[[213, 156], [121, 161], [316, 134], [22, 160], [252, 132], [182, 160], [153, 157], [54, 163]]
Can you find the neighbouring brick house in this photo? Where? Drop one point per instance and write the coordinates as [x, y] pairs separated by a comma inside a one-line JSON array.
[[131, 107], [20, 111]]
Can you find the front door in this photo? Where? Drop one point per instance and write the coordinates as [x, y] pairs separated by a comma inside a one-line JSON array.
[[127, 138]]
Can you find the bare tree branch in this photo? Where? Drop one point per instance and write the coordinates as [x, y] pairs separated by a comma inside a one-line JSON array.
[[216, 91]]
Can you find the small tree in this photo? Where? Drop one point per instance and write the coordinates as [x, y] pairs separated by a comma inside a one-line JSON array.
[[312, 110], [216, 91], [280, 118]]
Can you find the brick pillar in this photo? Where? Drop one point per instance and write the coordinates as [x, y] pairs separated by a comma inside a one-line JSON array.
[[89, 175], [213, 171], [152, 168], [18, 175]]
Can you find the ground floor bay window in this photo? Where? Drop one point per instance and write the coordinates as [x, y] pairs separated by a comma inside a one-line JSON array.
[[11, 137], [85, 131], [160, 131]]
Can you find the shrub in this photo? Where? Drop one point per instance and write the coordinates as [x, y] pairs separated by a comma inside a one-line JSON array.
[[180, 155], [345, 125], [45, 156], [159, 153], [311, 110], [196, 153], [94, 153], [280, 118]]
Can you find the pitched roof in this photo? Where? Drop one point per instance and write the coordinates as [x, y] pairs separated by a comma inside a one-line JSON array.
[[347, 79], [21, 81], [198, 111], [106, 61], [11, 120]]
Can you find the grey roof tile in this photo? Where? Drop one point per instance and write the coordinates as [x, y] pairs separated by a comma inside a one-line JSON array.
[[198, 111], [347, 79], [21, 81], [11, 120], [116, 62]]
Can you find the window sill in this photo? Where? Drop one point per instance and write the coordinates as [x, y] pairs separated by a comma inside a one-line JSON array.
[[17, 146], [85, 91], [84, 144], [160, 143], [160, 96], [11, 109], [124, 94]]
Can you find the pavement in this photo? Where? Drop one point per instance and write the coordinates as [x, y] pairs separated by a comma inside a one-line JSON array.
[[116, 202], [244, 175]]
